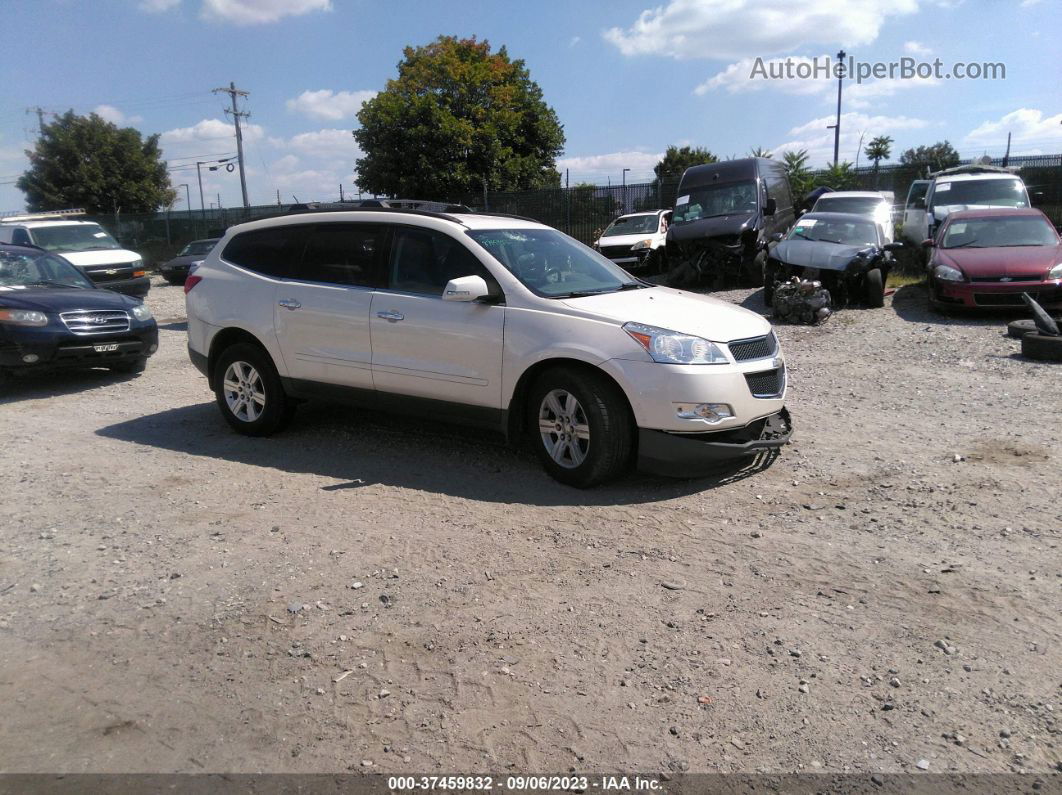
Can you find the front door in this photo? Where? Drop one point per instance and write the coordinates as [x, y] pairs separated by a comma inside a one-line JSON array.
[[322, 311], [423, 346]]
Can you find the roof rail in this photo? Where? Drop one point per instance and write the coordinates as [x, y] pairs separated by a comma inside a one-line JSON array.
[[975, 168], [508, 215], [396, 210], [18, 215]]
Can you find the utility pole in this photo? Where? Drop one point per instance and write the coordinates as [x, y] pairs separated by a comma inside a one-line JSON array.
[[40, 117], [237, 114], [202, 209], [837, 126], [1006, 156], [341, 191]]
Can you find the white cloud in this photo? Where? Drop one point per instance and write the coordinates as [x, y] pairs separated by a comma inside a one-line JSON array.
[[736, 79], [734, 28], [330, 105], [259, 12], [115, 116], [327, 144], [157, 6], [214, 130], [1027, 3], [818, 141], [591, 167], [916, 48], [575, 40], [1030, 130]]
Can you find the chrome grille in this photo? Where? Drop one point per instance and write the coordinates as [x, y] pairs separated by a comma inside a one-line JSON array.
[[753, 348], [98, 321], [767, 384]]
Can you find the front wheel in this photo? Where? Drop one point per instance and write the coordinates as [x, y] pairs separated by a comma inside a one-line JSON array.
[[581, 427], [873, 288], [249, 392]]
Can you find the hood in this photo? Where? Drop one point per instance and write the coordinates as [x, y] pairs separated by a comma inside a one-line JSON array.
[[63, 299], [728, 227], [110, 256], [676, 310], [627, 240], [816, 254], [942, 211], [187, 259], [1015, 261]]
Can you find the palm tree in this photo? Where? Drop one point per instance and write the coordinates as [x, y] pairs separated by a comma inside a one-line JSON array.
[[759, 151], [796, 167], [877, 150]]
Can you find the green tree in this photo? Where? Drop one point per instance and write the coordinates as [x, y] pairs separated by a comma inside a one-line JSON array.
[[677, 159], [878, 149], [84, 161], [932, 158], [458, 116], [759, 151], [796, 167], [839, 176]]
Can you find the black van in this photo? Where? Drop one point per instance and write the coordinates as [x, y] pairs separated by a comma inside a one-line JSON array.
[[724, 217]]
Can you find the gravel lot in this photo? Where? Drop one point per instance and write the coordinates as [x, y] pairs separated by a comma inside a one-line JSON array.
[[363, 592]]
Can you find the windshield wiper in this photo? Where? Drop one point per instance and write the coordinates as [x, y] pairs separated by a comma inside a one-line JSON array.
[[802, 236], [964, 245], [49, 283], [633, 286]]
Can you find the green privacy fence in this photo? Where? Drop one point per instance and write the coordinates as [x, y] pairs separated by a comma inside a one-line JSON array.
[[581, 210]]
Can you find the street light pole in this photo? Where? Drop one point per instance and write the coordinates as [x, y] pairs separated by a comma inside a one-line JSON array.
[[837, 126], [624, 178]]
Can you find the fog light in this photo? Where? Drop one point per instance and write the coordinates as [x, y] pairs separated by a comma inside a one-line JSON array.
[[31, 358], [153, 348], [709, 412]]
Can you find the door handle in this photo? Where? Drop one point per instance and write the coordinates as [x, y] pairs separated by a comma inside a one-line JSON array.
[[391, 316], [289, 303]]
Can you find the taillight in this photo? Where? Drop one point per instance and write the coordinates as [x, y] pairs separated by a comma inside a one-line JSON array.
[[190, 282], [138, 274]]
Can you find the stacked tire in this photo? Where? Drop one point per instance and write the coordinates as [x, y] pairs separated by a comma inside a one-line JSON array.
[[1041, 347]]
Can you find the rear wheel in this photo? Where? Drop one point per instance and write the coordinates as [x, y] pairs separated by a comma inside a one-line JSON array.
[[581, 427], [249, 393], [873, 288]]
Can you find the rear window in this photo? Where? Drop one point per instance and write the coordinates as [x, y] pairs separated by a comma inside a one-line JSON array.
[[271, 252]]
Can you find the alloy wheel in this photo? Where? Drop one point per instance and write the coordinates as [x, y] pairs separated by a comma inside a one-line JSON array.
[[564, 429], [244, 391]]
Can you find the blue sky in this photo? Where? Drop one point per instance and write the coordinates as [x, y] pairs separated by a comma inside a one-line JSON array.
[[626, 77]]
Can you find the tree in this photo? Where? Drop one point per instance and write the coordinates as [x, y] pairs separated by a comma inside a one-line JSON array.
[[457, 118], [676, 160], [759, 151], [839, 176], [796, 168], [84, 161], [933, 158], [878, 149]]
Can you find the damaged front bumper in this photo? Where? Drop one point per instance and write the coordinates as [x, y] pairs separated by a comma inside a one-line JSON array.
[[695, 454]]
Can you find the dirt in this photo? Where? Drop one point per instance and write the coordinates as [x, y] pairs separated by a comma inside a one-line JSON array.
[[174, 597]]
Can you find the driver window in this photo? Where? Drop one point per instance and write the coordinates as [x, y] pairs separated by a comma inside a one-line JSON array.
[[423, 261], [20, 237]]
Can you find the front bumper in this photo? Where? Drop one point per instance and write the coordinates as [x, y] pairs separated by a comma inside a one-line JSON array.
[[59, 349], [137, 287], [694, 454], [995, 295]]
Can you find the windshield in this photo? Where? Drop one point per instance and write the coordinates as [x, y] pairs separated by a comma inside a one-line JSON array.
[[31, 270], [633, 225], [860, 205], [847, 232], [551, 264], [197, 247], [711, 200], [999, 232], [1001, 192], [76, 237]]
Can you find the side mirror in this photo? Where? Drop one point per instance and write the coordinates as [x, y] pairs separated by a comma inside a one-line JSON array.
[[771, 207], [465, 289], [776, 237], [894, 246], [928, 244]]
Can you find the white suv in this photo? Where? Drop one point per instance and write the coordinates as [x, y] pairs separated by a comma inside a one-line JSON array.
[[494, 320]]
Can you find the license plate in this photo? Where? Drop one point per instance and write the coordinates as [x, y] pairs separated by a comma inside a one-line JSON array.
[[105, 348]]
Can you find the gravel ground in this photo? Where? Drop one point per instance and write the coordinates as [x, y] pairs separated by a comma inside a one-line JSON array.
[[362, 592]]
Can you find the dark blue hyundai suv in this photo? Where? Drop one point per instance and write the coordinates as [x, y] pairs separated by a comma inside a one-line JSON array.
[[52, 316]]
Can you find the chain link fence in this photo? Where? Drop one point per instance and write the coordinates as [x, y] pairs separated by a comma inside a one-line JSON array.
[[582, 211]]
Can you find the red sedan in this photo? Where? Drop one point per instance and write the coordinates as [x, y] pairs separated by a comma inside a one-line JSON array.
[[988, 258]]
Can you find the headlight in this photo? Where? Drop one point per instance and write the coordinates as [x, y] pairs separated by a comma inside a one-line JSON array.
[[670, 347], [141, 312], [23, 317], [946, 273], [1055, 272], [642, 244]]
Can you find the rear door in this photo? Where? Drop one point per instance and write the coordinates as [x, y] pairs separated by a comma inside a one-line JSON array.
[[423, 346], [321, 312]]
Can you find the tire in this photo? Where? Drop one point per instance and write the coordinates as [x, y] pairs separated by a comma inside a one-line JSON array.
[[1019, 328], [754, 270], [580, 426], [1041, 347], [137, 365], [249, 393], [873, 288], [769, 280]]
